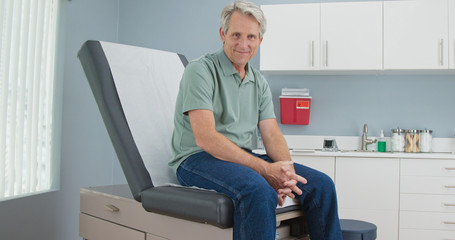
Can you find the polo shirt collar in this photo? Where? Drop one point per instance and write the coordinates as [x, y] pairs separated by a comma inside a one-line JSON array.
[[229, 70]]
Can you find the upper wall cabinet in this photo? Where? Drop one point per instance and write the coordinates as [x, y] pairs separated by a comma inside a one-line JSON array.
[[327, 36], [415, 34], [292, 39], [351, 35], [452, 34]]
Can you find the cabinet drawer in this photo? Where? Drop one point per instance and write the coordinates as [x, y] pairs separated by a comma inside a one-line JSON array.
[[427, 220], [93, 228], [430, 185], [427, 167], [421, 234], [430, 203]]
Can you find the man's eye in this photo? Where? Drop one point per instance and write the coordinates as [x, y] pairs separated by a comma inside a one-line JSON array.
[[252, 37]]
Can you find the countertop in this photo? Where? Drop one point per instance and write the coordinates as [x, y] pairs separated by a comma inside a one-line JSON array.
[[351, 153]]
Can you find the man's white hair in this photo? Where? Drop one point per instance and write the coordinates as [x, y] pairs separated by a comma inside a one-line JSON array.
[[247, 8]]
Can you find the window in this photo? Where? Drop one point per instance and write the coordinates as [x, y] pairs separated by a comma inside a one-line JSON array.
[[27, 59]]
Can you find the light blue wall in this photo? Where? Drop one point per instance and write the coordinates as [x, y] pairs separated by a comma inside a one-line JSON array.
[[340, 104]]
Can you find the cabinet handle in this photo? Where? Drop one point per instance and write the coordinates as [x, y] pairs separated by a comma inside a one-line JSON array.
[[449, 186], [449, 204], [312, 53], [326, 53], [450, 168], [441, 48], [112, 208], [449, 222]]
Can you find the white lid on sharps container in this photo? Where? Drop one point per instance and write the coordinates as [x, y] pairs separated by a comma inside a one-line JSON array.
[[304, 92]]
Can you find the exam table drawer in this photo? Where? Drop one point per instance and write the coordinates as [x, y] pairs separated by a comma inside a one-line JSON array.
[[99, 229], [119, 210]]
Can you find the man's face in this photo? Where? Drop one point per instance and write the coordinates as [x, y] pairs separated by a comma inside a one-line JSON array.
[[242, 40]]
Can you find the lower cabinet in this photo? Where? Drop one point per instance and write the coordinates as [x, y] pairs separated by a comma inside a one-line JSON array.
[[406, 198], [427, 199], [368, 189]]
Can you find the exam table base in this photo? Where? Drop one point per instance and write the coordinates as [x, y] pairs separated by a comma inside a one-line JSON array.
[[111, 213]]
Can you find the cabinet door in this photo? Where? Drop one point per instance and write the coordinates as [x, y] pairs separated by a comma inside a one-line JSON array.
[[351, 35], [368, 189], [452, 34], [322, 164], [291, 41], [416, 34]]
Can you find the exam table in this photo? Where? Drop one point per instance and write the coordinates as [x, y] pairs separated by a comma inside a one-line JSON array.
[[135, 89]]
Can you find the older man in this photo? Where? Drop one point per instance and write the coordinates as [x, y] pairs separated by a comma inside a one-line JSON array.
[[221, 101]]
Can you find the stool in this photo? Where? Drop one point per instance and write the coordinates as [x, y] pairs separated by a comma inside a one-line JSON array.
[[357, 230]]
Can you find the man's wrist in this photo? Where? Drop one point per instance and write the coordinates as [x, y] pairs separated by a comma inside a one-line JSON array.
[[261, 166]]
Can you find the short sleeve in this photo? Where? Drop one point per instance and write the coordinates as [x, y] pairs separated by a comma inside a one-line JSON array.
[[197, 87], [266, 109]]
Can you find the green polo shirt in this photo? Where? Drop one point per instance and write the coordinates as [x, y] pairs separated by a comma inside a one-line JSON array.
[[211, 82]]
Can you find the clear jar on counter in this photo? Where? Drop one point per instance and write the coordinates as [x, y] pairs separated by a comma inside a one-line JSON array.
[[398, 140], [412, 141], [425, 141]]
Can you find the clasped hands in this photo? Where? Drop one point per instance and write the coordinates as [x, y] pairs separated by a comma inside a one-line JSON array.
[[282, 177]]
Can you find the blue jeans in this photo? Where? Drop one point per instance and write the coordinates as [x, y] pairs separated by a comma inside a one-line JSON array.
[[255, 200]]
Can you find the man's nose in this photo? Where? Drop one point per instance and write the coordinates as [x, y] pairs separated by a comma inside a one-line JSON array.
[[243, 42]]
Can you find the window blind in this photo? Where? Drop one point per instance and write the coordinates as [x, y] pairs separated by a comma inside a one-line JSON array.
[[27, 59]]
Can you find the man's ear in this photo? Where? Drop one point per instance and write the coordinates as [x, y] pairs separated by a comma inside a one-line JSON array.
[[222, 36]]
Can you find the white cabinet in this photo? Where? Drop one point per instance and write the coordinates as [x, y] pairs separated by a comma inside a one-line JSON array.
[[351, 35], [452, 34], [407, 198], [416, 34], [368, 189], [329, 36], [427, 199], [320, 163], [292, 38]]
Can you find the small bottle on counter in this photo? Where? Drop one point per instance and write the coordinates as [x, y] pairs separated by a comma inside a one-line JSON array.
[[398, 140], [426, 140], [381, 142]]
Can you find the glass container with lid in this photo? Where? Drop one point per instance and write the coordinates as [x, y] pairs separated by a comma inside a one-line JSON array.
[[412, 141], [398, 140], [425, 141]]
